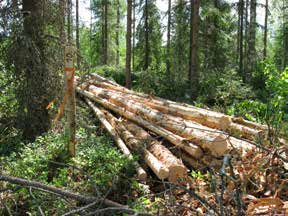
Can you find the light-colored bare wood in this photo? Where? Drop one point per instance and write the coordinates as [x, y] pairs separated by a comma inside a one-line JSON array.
[[177, 169], [209, 139], [178, 141], [202, 116], [160, 170], [142, 175]]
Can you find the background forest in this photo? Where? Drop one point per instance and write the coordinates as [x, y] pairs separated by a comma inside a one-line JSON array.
[[213, 54]]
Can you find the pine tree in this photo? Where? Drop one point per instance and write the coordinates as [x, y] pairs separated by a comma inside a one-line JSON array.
[[149, 37]]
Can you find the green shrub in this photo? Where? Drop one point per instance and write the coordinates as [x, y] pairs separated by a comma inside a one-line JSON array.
[[96, 155]]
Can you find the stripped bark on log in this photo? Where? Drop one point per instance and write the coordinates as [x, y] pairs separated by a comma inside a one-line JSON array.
[[177, 169], [207, 138], [202, 116], [205, 117], [178, 141], [135, 144], [142, 175]]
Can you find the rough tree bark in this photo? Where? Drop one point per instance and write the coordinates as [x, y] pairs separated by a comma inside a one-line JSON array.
[[69, 20], [128, 44], [265, 30], [134, 34], [147, 45], [105, 31], [117, 33], [251, 61], [240, 32], [36, 95], [194, 72], [77, 35], [168, 42]]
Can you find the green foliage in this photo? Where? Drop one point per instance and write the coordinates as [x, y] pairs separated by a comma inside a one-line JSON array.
[[155, 37], [97, 33], [197, 175], [223, 89], [270, 105], [115, 73], [96, 155]]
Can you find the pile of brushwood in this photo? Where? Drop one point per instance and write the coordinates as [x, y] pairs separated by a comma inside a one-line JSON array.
[[247, 168]]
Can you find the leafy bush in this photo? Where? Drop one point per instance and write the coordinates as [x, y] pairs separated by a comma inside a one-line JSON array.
[[223, 89], [114, 73], [96, 155]]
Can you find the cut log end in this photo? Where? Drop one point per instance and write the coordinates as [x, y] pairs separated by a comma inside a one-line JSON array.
[[225, 122], [176, 173], [141, 174], [218, 147], [193, 150]]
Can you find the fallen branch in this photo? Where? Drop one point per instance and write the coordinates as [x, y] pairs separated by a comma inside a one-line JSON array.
[[59, 192]]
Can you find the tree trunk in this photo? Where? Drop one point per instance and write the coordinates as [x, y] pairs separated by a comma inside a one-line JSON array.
[[245, 41], [202, 116], [142, 175], [209, 139], [134, 34], [135, 144], [147, 46], [251, 42], [69, 20], [77, 35], [62, 4], [241, 18], [105, 53], [36, 95], [175, 166], [117, 34], [128, 44], [285, 35], [168, 42], [248, 130], [265, 30], [178, 141], [194, 72]]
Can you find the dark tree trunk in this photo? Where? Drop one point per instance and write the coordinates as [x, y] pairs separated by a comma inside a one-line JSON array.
[[62, 14], [147, 48], [36, 95], [117, 34], [69, 20], [168, 64], [265, 30], [245, 40], [194, 72], [251, 42], [77, 34], [128, 44], [105, 31], [134, 34], [241, 28], [285, 35], [90, 35]]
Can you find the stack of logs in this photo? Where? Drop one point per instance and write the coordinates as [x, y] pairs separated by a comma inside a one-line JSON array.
[[140, 123]]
